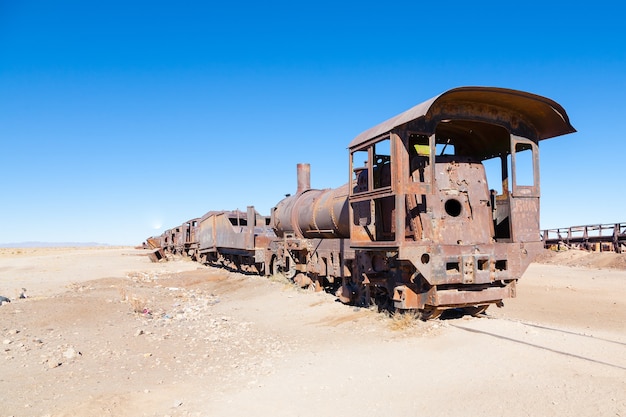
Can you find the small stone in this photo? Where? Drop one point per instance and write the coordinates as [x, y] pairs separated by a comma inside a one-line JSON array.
[[71, 353], [139, 332]]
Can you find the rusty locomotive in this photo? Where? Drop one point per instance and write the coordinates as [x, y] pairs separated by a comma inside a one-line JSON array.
[[418, 226]]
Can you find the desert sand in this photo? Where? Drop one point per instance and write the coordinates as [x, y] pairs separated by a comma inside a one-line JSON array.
[[105, 332]]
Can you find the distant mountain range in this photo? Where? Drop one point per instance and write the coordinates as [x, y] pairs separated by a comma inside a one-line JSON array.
[[50, 244]]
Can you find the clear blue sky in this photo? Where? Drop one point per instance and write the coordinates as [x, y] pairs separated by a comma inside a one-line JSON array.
[[121, 119]]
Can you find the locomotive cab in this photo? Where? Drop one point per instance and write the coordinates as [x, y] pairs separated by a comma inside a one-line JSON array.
[[444, 199]]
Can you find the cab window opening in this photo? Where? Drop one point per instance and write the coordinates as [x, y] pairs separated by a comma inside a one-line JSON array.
[[382, 164], [444, 147], [524, 169], [493, 170], [419, 156], [359, 171]]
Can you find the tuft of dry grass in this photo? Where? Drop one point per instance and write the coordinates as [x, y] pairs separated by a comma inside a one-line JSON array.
[[137, 304], [403, 320], [281, 279]]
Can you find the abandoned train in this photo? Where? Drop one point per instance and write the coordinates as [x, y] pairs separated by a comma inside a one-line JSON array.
[[418, 226]]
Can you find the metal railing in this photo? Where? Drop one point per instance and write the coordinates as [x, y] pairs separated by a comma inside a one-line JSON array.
[[597, 237]]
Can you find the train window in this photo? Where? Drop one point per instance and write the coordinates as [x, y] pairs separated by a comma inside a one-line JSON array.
[[359, 171], [382, 149], [444, 148], [419, 156], [524, 165], [382, 164], [493, 170], [236, 221], [419, 145]]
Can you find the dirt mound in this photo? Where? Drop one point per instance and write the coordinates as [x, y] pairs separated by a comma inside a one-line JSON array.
[[584, 259]]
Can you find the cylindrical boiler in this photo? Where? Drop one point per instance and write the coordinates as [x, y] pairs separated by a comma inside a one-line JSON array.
[[313, 213]]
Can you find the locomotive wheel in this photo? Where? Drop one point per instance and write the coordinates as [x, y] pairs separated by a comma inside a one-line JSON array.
[[430, 313], [353, 294], [360, 295], [290, 272], [475, 311], [277, 269], [302, 280], [317, 284]]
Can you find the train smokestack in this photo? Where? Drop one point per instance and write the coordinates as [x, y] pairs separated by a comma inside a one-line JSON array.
[[304, 177]]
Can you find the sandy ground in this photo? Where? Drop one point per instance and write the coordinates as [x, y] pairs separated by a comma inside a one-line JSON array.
[[105, 332]]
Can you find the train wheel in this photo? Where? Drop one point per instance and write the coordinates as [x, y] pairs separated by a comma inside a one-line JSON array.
[[317, 283], [351, 293], [276, 268], [430, 314], [290, 272], [476, 311], [382, 300], [302, 280], [361, 296]]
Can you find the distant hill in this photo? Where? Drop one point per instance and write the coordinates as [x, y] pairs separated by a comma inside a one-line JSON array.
[[50, 244]]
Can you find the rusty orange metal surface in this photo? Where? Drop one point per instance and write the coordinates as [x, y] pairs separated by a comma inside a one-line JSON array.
[[441, 209]]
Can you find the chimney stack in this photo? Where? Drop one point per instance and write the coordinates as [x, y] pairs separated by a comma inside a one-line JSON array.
[[304, 177]]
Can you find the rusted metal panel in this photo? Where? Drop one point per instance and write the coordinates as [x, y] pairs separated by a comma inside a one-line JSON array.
[[154, 242], [157, 255], [466, 298], [406, 298], [525, 219], [460, 211], [522, 112], [215, 227]]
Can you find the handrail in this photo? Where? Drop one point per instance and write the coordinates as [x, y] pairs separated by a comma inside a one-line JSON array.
[[602, 237]]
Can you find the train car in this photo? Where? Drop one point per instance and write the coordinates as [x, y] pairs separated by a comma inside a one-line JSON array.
[[187, 242], [235, 239], [441, 210], [181, 240], [430, 229], [168, 239]]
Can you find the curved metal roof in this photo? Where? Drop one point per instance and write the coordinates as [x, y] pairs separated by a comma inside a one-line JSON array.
[[522, 113]]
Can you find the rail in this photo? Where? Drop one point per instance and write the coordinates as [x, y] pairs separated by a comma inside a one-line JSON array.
[[597, 237]]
